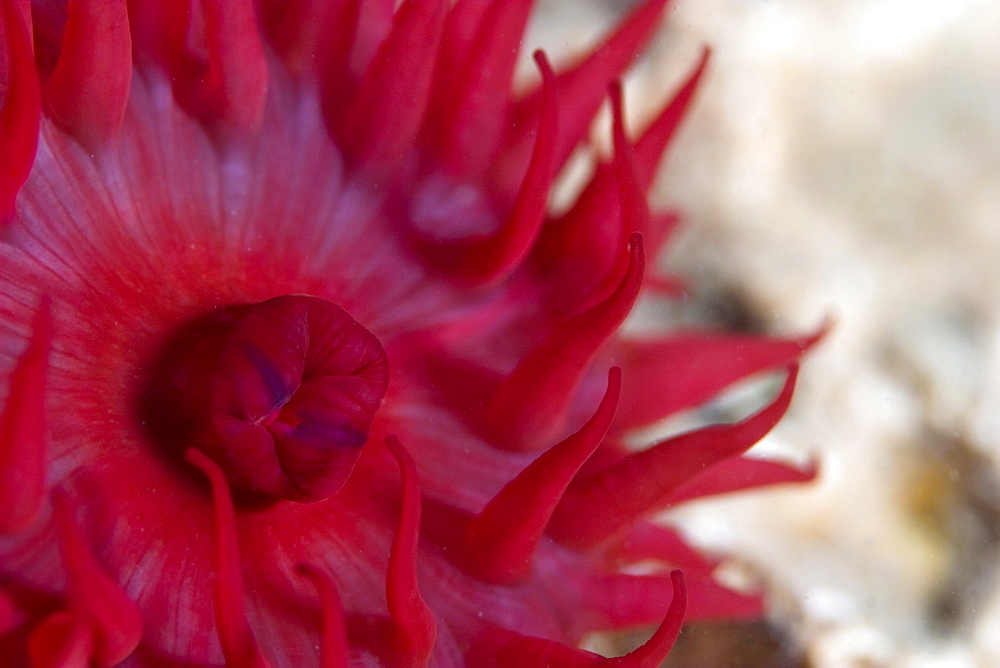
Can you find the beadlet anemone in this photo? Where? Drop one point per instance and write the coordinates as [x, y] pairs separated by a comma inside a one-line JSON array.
[[297, 369]]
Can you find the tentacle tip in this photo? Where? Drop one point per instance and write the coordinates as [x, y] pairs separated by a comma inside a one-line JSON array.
[[206, 465], [42, 323], [637, 253], [811, 469], [615, 378], [825, 326], [793, 372], [784, 398], [678, 605], [397, 450], [542, 60], [703, 59], [616, 92], [45, 304], [62, 504], [196, 458]]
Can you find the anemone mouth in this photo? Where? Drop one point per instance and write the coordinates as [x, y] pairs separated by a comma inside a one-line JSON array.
[[280, 394]]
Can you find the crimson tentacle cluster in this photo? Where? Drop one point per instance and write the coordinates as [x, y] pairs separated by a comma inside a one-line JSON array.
[[296, 367]]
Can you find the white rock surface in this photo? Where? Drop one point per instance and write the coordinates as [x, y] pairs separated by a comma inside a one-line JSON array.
[[843, 159]]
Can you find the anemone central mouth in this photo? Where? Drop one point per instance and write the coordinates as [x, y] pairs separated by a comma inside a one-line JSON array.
[[281, 394]]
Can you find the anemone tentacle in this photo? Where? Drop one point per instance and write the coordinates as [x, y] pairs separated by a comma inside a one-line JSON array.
[[87, 92], [496, 549], [24, 432], [20, 114]]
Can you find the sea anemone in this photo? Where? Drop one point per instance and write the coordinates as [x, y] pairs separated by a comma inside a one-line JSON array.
[[298, 370]]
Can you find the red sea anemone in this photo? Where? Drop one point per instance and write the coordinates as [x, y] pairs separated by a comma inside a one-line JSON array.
[[296, 369]]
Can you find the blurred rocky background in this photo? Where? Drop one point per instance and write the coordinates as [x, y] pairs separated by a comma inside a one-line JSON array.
[[843, 161]]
